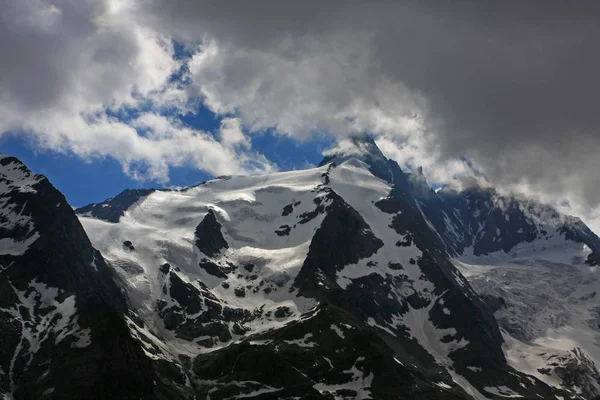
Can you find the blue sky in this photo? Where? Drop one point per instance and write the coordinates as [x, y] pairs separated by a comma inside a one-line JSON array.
[[88, 181]]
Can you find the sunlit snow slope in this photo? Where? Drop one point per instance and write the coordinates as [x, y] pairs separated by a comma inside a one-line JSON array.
[[267, 223], [337, 278], [545, 301]]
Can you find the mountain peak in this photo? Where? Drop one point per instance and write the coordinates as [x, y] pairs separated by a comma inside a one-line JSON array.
[[419, 184], [362, 147]]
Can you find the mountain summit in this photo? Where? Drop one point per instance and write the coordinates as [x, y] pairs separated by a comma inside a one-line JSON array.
[[344, 281], [361, 147]]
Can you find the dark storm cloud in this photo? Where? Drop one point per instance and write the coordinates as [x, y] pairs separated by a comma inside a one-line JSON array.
[[512, 84], [504, 76], [46, 47]]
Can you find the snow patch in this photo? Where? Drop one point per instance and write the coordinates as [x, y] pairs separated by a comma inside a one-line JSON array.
[[9, 246], [304, 342], [502, 391], [42, 316], [338, 331], [15, 176], [430, 337], [358, 382]]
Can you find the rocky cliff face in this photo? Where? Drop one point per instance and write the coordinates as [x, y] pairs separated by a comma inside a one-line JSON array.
[[489, 222], [62, 314]]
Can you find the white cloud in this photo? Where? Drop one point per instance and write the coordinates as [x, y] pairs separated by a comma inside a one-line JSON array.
[[81, 61], [231, 133], [318, 86], [166, 143]]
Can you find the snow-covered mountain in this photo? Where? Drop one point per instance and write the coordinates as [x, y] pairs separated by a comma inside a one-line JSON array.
[[338, 282]]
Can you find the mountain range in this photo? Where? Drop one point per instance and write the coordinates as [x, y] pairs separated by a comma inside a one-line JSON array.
[[350, 280]]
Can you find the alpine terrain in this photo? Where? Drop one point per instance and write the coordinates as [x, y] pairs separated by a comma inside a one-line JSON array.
[[351, 280]]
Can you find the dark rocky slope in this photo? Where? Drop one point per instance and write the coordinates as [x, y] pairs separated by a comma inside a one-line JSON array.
[[63, 332]]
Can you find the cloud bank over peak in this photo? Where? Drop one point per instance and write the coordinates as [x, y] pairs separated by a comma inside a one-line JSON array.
[[506, 88], [511, 86]]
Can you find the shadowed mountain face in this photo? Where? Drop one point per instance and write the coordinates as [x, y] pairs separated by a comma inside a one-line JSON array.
[[492, 222], [113, 209], [62, 313], [337, 282]]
